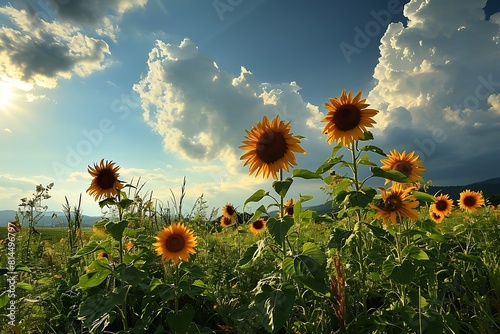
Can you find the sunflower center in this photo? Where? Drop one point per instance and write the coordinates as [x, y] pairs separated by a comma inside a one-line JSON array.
[[271, 147], [392, 203], [258, 224], [289, 210], [403, 167], [469, 201], [229, 210], [175, 243], [106, 179], [441, 205], [347, 117]]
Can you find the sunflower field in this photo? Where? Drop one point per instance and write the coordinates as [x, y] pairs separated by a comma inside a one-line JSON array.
[[393, 259]]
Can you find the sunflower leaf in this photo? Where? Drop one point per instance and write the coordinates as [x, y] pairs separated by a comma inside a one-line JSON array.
[[116, 229], [425, 197], [279, 228], [260, 210], [257, 196], [328, 164], [365, 160], [373, 148], [281, 187], [392, 175], [368, 136], [107, 201], [305, 174]]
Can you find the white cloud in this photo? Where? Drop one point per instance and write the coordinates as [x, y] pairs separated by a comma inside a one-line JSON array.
[[201, 111], [437, 86]]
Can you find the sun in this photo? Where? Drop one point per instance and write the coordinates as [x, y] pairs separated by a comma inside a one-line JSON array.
[[6, 95]]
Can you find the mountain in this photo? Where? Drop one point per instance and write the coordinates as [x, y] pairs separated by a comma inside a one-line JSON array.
[[50, 219], [488, 187]]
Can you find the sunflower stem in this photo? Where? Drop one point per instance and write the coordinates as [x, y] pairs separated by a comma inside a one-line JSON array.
[[176, 288], [282, 211]]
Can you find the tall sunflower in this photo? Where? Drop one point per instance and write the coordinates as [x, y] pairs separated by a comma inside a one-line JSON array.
[[229, 211], [347, 118], [408, 164], [175, 242], [442, 205], [397, 202], [258, 226], [105, 181], [470, 200], [436, 216], [270, 147]]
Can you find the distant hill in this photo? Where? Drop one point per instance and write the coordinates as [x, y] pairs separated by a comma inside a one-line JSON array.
[[489, 188], [48, 220]]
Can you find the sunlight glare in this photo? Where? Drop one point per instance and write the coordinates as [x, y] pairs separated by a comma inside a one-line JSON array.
[[6, 95]]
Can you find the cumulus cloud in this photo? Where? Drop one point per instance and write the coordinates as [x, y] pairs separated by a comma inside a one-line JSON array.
[[48, 40], [201, 111], [39, 53], [437, 86]]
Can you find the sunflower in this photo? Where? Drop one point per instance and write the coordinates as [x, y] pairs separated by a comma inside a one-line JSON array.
[[270, 147], [470, 200], [397, 202], [442, 205], [258, 226], [226, 222], [105, 183], [129, 245], [229, 211], [436, 216], [408, 164], [288, 207], [347, 118], [175, 242], [103, 255]]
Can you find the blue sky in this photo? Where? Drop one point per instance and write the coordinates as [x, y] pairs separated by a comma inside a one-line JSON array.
[[166, 88]]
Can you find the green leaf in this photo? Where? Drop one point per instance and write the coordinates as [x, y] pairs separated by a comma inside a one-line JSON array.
[[365, 160], [305, 174], [392, 175], [281, 187], [279, 228], [338, 238], [312, 250], [288, 266], [399, 273], [4, 299], [116, 229], [21, 267], [92, 247], [260, 210], [374, 149], [305, 198], [274, 308], [97, 272], [313, 284], [181, 321], [97, 306], [257, 196], [130, 274], [381, 234], [25, 286], [107, 201], [425, 197], [416, 253], [361, 198], [125, 203], [367, 136], [251, 253], [307, 266], [328, 164]]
